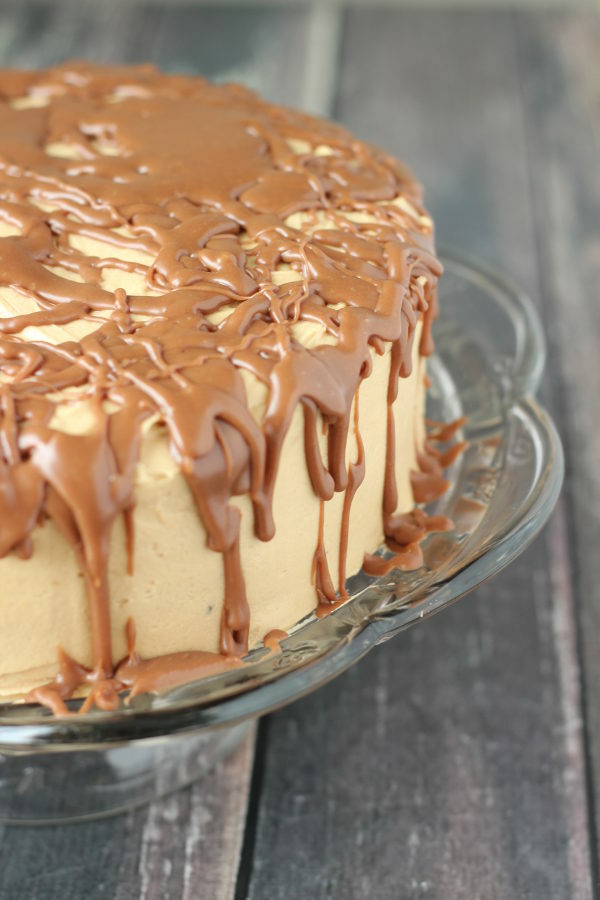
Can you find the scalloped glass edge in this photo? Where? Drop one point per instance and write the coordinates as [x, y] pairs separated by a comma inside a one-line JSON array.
[[489, 358]]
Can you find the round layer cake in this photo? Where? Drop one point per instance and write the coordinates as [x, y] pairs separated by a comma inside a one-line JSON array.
[[215, 314]]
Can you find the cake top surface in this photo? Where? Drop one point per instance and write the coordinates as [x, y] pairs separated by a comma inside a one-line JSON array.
[[185, 255]]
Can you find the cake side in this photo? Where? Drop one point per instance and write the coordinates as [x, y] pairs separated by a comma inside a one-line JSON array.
[[214, 318], [174, 594]]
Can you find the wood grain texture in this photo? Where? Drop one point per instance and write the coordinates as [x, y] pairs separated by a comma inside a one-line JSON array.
[[450, 763], [264, 48], [288, 55], [183, 847], [560, 77]]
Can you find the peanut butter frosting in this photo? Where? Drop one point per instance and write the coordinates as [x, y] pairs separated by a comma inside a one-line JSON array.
[[191, 279]]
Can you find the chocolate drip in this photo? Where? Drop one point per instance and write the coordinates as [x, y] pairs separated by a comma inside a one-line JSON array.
[[322, 482], [406, 559], [201, 180], [321, 576], [406, 533], [273, 639], [134, 675], [356, 474], [429, 483]]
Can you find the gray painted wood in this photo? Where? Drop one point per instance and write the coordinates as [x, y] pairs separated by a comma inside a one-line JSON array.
[[534, 4], [289, 55], [184, 847], [265, 48], [560, 80], [432, 769], [451, 762]]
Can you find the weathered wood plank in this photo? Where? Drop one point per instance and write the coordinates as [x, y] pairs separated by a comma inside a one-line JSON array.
[[432, 769], [183, 847], [449, 763], [434, 4], [561, 94], [264, 48]]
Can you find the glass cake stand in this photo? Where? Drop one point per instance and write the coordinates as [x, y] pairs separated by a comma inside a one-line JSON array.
[[487, 365]]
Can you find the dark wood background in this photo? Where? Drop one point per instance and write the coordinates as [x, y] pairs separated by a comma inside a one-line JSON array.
[[461, 760]]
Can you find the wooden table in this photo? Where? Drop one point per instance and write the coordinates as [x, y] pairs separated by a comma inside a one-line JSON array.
[[461, 760]]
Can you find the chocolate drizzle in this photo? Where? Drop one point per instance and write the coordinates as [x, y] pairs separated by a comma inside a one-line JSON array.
[[203, 180], [356, 474]]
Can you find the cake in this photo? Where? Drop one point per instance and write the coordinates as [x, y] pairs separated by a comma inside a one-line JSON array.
[[215, 315]]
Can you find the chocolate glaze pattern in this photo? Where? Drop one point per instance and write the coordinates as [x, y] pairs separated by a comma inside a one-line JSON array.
[[203, 179]]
